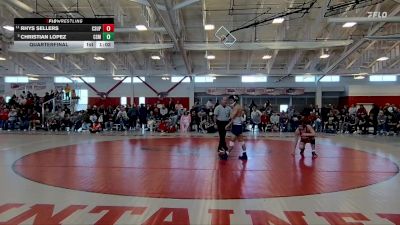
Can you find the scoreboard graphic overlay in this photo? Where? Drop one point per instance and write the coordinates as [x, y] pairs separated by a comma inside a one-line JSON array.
[[64, 33]]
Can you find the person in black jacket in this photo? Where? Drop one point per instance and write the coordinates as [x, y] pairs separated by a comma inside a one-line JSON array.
[[143, 116], [374, 116]]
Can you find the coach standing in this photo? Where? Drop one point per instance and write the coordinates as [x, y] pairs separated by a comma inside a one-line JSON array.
[[222, 115]]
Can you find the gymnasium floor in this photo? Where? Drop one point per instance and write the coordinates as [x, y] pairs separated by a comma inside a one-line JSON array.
[[119, 178]]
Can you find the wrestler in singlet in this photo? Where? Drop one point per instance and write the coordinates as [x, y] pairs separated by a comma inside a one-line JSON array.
[[306, 134], [237, 128]]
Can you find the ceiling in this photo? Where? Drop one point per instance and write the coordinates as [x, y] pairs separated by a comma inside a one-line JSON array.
[[176, 33]]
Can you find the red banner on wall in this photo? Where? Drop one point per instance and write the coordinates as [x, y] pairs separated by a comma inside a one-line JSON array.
[[255, 91], [31, 86]]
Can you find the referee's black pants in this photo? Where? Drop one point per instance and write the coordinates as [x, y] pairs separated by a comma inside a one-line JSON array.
[[222, 134]]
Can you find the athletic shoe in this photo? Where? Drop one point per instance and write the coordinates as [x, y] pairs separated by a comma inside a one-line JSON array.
[[243, 156], [222, 155], [314, 155]]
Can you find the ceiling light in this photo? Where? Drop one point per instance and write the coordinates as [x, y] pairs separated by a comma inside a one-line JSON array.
[[210, 56], [324, 56], [32, 75], [384, 58], [8, 27], [278, 20], [2, 58], [155, 57], [99, 58], [141, 27], [209, 27], [266, 57], [359, 77], [33, 78], [118, 78], [49, 58], [349, 24], [165, 78]]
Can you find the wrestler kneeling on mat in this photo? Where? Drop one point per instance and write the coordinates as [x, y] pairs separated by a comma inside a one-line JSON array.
[[306, 134], [237, 129]]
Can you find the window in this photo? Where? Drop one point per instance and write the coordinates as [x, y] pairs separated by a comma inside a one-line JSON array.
[[87, 79], [16, 79], [8, 98], [283, 108], [177, 79], [204, 79], [124, 101], [65, 80], [128, 80], [330, 79], [382, 78], [305, 78], [253, 79], [83, 101], [136, 80], [142, 100]]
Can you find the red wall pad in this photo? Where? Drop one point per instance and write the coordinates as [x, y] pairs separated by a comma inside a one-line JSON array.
[[379, 100]]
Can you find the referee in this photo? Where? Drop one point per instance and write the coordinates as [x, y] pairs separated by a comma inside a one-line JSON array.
[[222, 115]]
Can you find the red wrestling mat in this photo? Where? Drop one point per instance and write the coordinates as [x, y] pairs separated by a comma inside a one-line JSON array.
[[188, 168]]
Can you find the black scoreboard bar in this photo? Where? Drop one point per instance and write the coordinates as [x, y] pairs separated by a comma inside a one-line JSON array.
[[71, 33]]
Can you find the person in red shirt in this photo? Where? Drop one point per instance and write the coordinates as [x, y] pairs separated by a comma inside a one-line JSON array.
[[3, 118], [264, 121], [96, 127], [361, 111]]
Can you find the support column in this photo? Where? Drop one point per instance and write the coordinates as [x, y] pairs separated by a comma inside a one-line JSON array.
[[318, 96], [133, 91], [191, 93]]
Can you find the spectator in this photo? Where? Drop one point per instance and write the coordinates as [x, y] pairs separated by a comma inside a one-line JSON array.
[[95, 128], [163, 112], [185, 122], [381, 119], [265, 121], [12, 119], [361, 111], [255, 118]]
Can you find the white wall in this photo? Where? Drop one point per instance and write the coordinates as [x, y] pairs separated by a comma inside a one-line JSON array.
[[373, 90], [348, 84]]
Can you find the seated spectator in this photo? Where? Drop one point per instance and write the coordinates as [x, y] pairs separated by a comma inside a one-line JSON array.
[[151, 121], [12, 119], [318, 123], [331, 124], [363, 124], [381, 123], [53, 125], [34, 120], [353, 122], [95, 128], [345, 123], [194, 121], [66, 123], [208, 126], [163, 112], [283, 122], [265, 121], [23, 119], [392, 124]]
